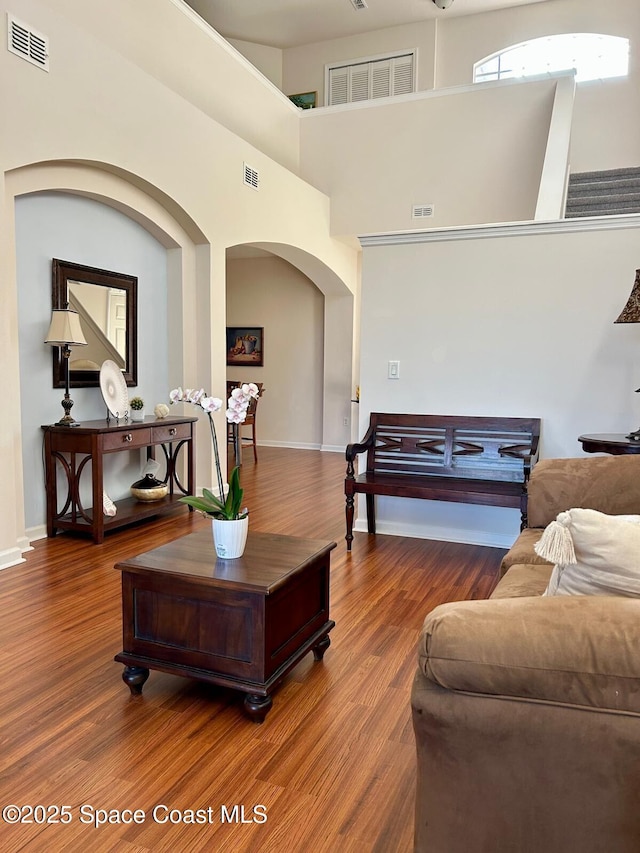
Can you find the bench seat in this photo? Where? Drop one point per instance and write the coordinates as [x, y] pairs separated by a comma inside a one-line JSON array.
[[488, 492]]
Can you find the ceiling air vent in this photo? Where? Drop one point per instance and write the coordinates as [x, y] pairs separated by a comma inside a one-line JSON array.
[[422, 211], [27, 43], [359, 4], [251, 177]]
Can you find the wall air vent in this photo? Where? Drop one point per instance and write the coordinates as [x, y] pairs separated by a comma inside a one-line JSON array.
[[422, 211], [251, 177], [27, 43], [359, 4]]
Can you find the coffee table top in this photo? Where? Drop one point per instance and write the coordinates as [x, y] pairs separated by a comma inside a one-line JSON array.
[[268, 560]]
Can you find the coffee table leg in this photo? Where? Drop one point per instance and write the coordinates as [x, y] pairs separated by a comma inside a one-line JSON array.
[[321, 647], [257, 707], [135, 677]]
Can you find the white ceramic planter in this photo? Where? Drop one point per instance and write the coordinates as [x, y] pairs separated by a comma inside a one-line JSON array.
[[230, 537], [137, 414]]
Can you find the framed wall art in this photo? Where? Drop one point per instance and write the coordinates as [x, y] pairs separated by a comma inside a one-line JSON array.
[[245, 346], [304, 100]]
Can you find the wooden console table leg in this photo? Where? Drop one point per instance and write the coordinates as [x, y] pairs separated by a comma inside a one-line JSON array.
[[134, 677], [257, 707]]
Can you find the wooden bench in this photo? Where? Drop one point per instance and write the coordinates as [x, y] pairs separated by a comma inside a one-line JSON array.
[[477, 460]]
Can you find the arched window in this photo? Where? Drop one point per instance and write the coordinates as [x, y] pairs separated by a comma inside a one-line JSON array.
[[594, 57]]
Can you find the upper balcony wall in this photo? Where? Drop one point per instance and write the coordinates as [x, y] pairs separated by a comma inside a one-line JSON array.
[[475, 153], [610, 104], [169, 41]]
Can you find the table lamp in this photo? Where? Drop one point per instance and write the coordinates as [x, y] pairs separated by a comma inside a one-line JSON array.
[[65, 332], [631, 314]]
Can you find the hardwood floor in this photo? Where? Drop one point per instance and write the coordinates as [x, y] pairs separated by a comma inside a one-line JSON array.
[[333, 763]]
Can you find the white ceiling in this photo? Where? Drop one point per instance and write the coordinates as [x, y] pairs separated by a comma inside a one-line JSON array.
[[288, 23]]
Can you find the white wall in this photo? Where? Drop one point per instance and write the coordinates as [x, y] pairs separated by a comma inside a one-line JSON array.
[[168, 40], [75, 229], [268, 60], [476, 154], [270, 292], [610, 104], [303, 67], [519, 326]]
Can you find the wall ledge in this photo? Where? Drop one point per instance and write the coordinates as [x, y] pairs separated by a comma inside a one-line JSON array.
[[221, 42], [501, 229]]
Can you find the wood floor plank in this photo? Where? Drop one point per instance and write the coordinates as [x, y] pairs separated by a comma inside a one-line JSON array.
[[334, 761]]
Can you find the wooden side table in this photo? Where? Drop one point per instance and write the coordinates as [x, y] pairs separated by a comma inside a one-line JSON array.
[[71, 448], [241, 624], [613, 443]]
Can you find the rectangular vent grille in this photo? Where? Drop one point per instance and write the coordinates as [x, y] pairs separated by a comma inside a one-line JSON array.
[[27, 43], [422, 211], [359, 4], [251, 177]]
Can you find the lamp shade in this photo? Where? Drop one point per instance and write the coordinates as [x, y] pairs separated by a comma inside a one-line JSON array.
[[65, 329], [631, 311]]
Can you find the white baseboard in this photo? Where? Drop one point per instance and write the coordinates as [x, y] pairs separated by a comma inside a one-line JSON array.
[[296, 445], [299, 445], [37, 532], [10, 557], [440, 534]]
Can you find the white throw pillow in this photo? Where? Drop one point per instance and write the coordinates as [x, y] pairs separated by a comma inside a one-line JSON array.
[[594, 553]]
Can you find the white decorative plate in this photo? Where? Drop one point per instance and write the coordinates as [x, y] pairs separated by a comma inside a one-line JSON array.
[[114, 389]]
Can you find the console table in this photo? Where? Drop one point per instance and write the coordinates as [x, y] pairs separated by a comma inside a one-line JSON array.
[[72, 448], [615, 444]]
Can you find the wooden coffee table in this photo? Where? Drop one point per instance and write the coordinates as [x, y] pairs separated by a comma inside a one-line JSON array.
[[241, 623]]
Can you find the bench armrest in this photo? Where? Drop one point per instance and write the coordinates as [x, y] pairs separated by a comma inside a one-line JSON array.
[[354, 449]]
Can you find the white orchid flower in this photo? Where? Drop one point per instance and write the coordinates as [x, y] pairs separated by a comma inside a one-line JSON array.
[[210, 404], [177, 395], [251, 390], [236, 416]]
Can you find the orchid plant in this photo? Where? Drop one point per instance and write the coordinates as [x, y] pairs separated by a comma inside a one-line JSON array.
[[226, 506]]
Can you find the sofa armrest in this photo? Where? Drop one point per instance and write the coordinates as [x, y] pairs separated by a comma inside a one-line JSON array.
[[577, 650]]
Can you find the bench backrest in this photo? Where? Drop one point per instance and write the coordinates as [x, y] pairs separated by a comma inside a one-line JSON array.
[[480, 448]]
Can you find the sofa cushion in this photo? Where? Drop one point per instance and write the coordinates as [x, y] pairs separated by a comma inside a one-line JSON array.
[[522, 553], [610, 484], [595, 553], [578, 650], [523, 580]]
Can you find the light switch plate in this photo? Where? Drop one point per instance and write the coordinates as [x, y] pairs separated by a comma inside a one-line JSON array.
[[394, 370]]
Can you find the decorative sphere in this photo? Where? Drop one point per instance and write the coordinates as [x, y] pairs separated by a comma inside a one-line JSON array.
[[161, 411]]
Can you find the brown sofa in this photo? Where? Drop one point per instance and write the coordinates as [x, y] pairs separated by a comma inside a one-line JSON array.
[[526, 709]]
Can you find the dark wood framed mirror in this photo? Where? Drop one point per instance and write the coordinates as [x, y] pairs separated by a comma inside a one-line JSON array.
[[107, 303]]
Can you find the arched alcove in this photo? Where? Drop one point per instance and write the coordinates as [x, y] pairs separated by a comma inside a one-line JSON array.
[[327, 386], [185, 264]]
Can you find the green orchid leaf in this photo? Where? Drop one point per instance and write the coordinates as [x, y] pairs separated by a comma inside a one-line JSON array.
[[229, 507]]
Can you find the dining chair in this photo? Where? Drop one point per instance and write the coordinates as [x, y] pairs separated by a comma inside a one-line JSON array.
[[249, 421]]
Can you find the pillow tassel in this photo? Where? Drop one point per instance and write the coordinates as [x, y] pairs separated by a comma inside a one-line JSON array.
[[556, 544]]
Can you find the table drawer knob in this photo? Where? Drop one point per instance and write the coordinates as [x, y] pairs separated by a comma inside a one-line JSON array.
[[127, 437], [173, 431]]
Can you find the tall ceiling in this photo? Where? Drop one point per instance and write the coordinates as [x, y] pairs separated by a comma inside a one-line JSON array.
[[290, 23]]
